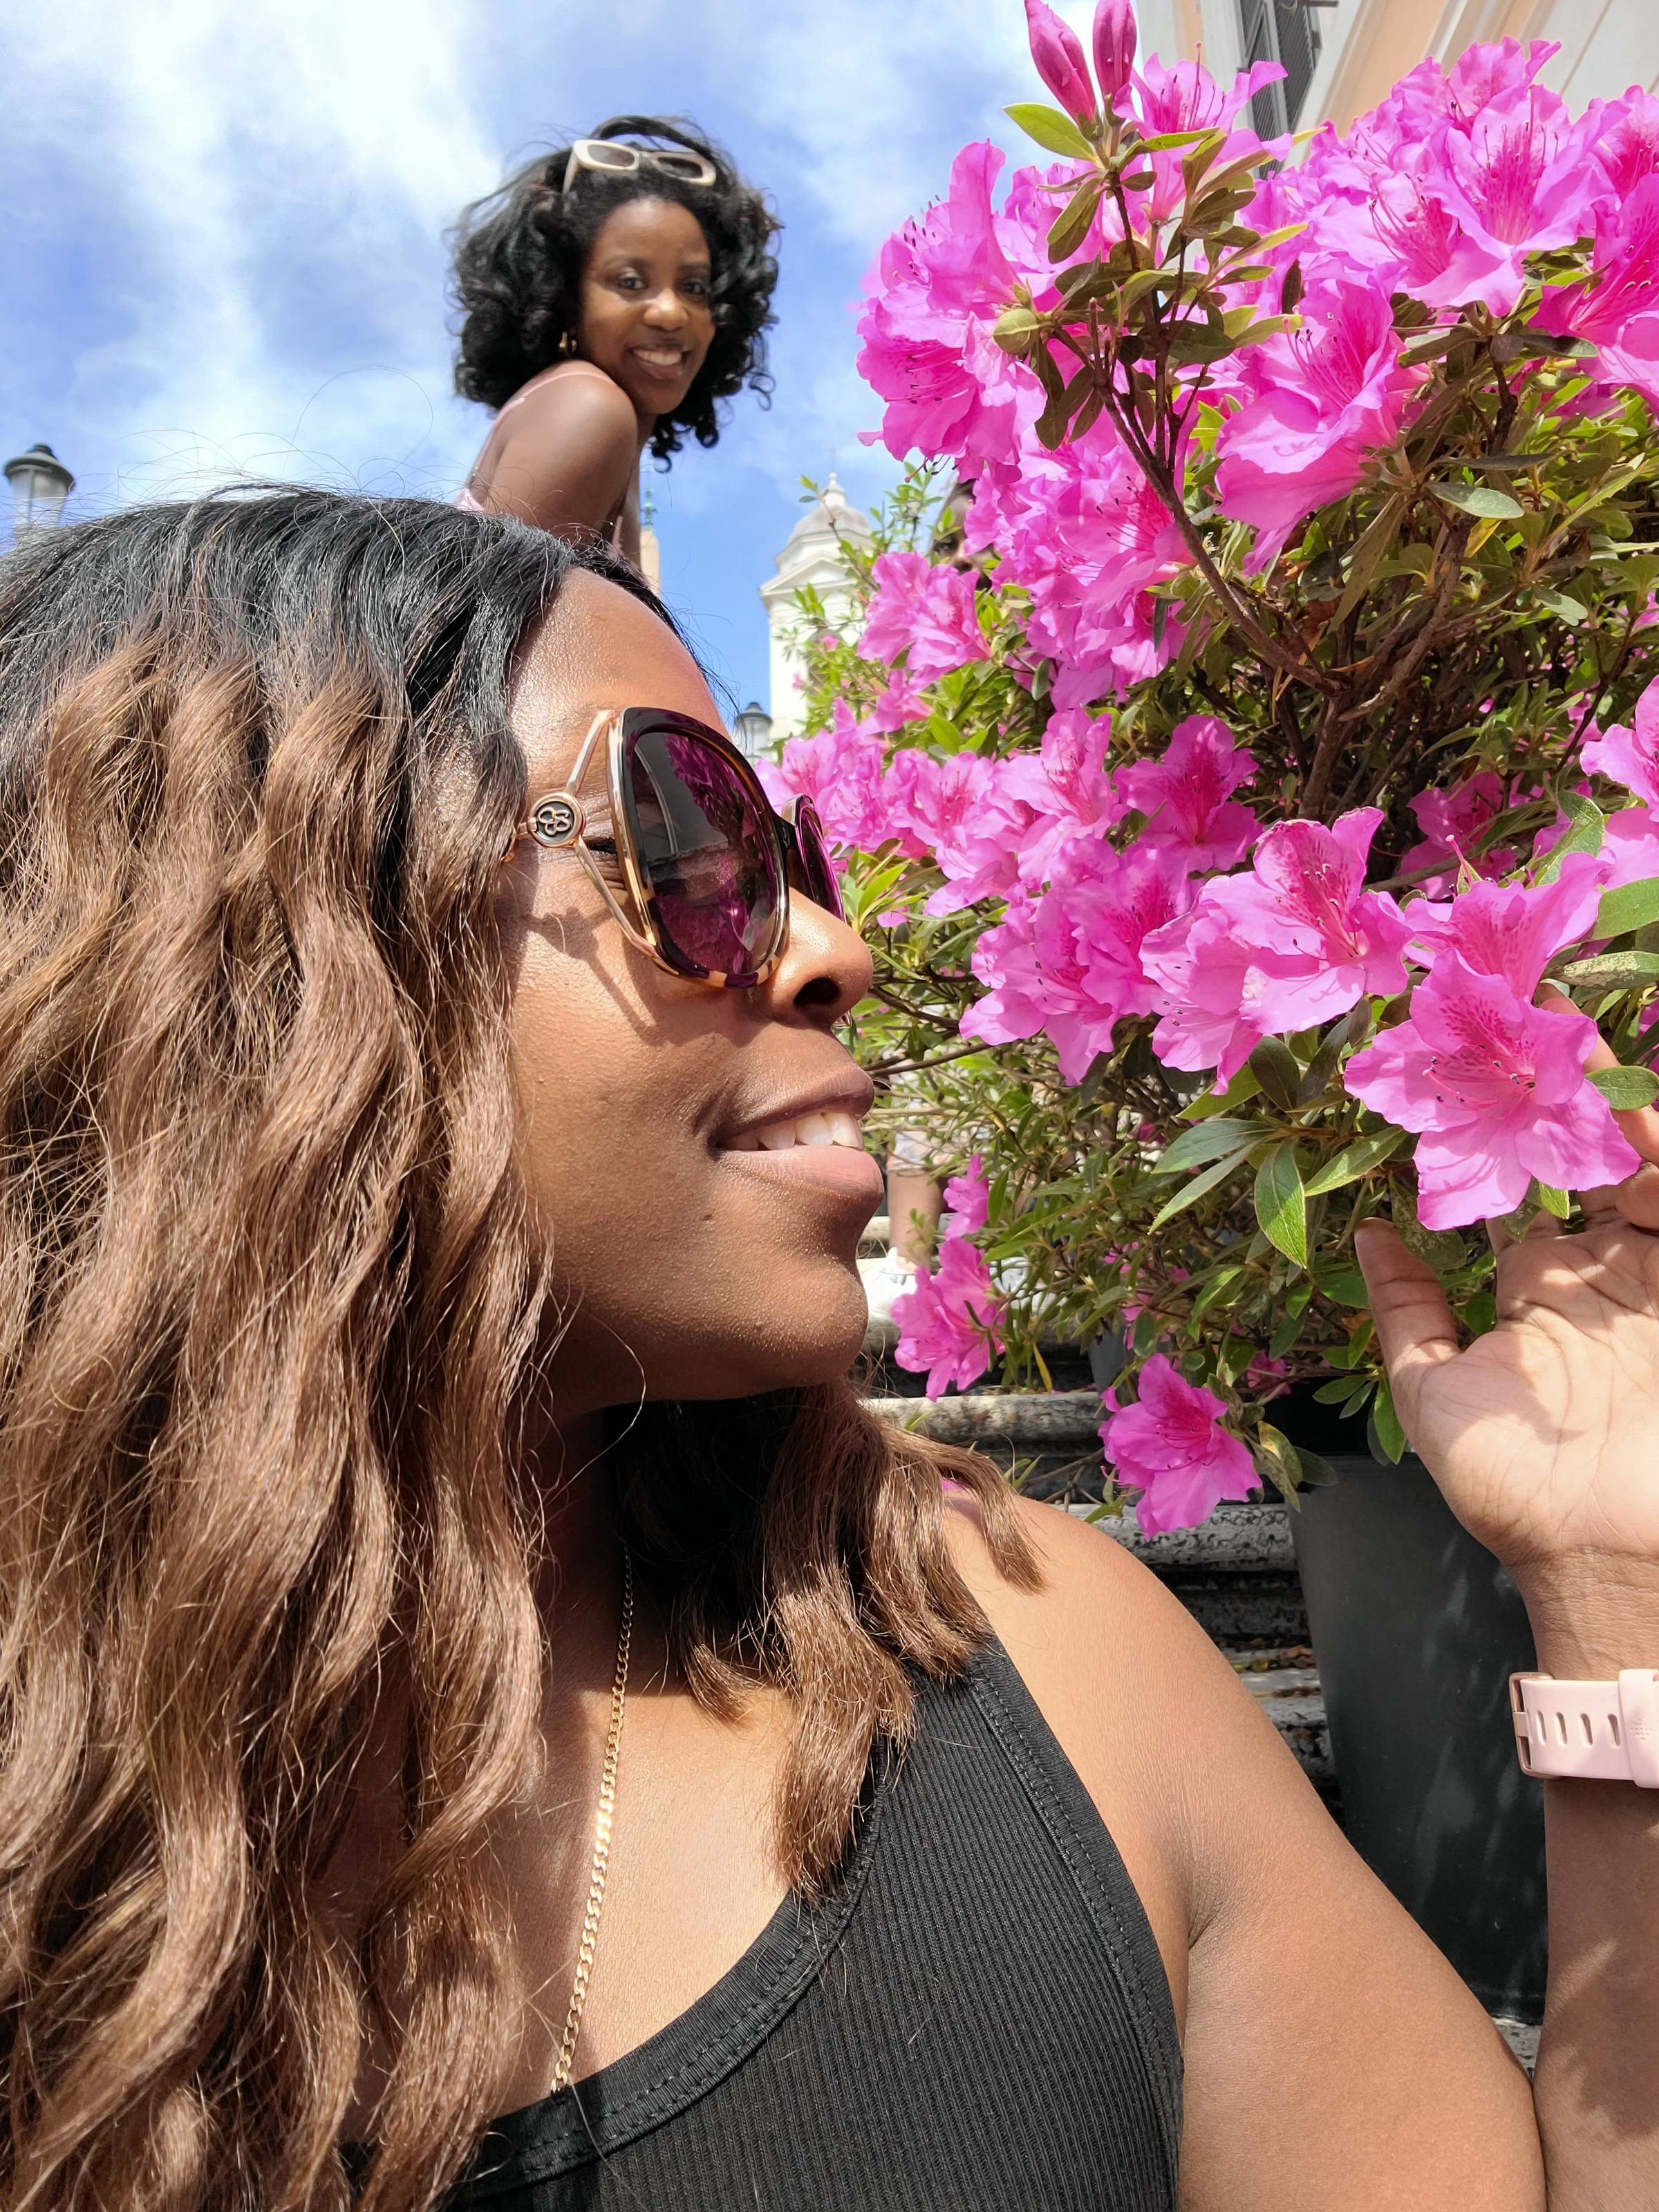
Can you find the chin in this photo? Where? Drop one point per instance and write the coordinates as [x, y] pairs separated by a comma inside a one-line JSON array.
[[789, 1346]]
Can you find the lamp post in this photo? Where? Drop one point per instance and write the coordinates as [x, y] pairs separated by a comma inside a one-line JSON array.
[[753, 729], [39, 485]]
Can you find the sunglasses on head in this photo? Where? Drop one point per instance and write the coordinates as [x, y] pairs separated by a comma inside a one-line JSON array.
[[706, 861], [612, 157]]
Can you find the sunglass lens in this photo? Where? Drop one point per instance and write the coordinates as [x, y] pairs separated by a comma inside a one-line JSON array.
[[600, 154], [687, 165], [707, 851], [819, 878]]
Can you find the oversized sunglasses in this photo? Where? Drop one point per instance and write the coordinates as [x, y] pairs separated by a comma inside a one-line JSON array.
[[611, 157], [706, 861]]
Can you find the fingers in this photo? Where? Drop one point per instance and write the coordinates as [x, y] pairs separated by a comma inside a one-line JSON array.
[[1414, 1325], [1638, 1199]]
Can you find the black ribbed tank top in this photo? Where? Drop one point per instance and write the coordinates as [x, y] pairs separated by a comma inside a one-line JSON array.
[[977, 2020]]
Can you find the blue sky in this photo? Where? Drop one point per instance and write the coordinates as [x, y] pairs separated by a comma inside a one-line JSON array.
[[222, 245]]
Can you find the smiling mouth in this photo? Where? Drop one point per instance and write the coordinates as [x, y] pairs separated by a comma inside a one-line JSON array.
[[822, 1150], [664, 361]]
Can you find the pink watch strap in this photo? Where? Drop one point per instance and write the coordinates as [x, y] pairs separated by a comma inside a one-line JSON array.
[[1588, 1731]]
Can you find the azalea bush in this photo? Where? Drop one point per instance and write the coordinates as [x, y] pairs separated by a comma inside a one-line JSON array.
[[1250, 782]]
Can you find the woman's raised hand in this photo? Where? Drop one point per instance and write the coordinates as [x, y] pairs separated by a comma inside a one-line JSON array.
[[1543, 1433]]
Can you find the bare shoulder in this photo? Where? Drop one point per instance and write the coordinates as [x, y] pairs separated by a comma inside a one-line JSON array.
[[593, 404], [1266, 1920], [564, 456]]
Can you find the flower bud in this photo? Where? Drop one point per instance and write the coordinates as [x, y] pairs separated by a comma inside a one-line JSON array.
[[1114, 45], [1058, 53]]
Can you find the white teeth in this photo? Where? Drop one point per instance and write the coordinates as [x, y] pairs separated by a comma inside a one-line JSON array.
[[830, 1128]]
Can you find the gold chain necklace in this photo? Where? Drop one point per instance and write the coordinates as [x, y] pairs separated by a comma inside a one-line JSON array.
[[573, 2019]]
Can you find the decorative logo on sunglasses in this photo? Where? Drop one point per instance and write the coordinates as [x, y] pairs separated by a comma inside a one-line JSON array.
[[554, 821]]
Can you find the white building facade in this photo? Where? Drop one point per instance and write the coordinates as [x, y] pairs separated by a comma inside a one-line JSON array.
[[812, 558], [1343, 55]]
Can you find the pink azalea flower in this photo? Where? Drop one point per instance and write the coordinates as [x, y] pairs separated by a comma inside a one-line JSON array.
[[1450, 822], [1200, 967], [910, 801], [1628, 152], [840, 770], [1184, 96], [975, 830], [1630, 852], [1517, 179], [933, 298], [1495, 1089], [1069, 789], [1513, 930], [926, 611], [1186, 795], [1090, 926], [1171, 1444], [1006, 961], [1629, 755], [968, 1199], [950, 1322], [1617, 308], [1320, 940], [1318, 403], [899, 705]]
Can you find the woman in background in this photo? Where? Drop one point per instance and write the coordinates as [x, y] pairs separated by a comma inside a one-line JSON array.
[[613, 292]]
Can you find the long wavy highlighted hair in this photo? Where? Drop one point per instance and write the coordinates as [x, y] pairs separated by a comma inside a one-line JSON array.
[[270, 1313]]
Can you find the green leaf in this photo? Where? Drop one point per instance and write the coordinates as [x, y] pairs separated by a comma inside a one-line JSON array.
[[1071, 226], [1632, 906], [1589, 827], [1626, 1088], [1439, 1248], [1385, 1435], [1353, 1161], [1353, 1030], [1279, 1460], [1317, 1472], [1367, 555], [1206, 1141], [1346, 1286], [1342, 1391], [1049, 128], [1558, 604], [1166, 139], [1145, 1334], [1614, 971], [1276, 1069], [1280, 1206], [1243, 1088], [1199, 1187], [1554, 1201], [1479, 499], [1290, 1328]]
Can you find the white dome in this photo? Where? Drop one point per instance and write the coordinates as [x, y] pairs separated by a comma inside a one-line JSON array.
[[828, 518]]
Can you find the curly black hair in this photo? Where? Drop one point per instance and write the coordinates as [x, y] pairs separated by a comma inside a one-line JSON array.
[[519, 255]]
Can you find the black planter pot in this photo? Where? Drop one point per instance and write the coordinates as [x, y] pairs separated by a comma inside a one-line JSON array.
[[1417, 1629]]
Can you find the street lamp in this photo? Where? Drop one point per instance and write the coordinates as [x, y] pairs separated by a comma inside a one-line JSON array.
[[753, 729], [39, 485]]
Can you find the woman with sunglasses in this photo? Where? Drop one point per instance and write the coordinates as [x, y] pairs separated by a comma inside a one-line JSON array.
[[482, 1708], [613, 293]]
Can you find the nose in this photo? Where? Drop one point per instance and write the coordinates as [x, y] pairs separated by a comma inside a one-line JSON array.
[[665, 309], [825, 970]]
